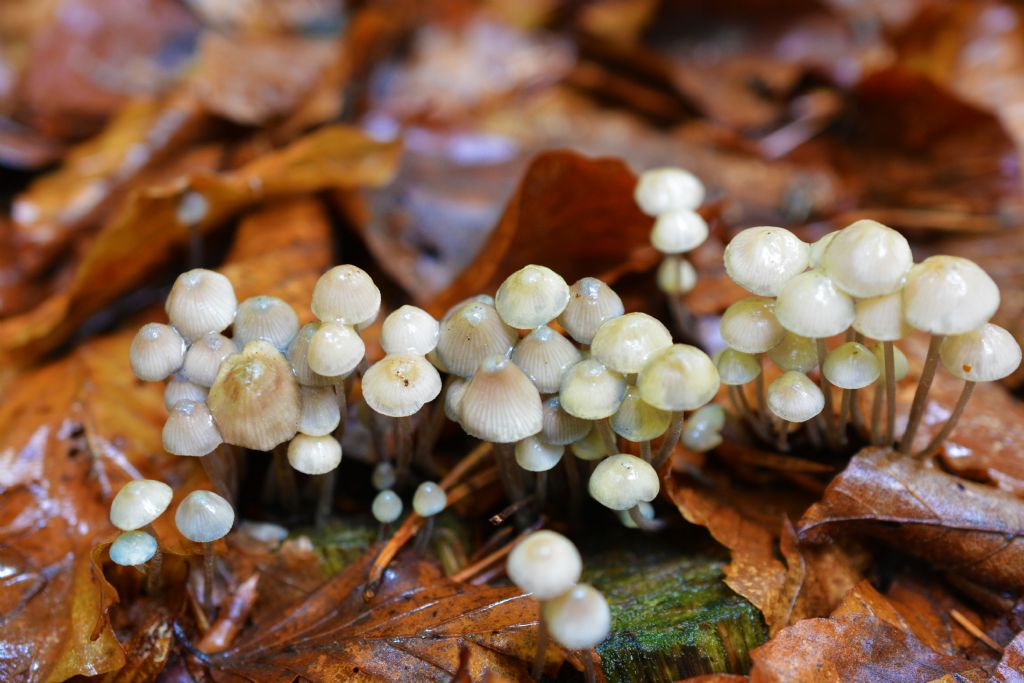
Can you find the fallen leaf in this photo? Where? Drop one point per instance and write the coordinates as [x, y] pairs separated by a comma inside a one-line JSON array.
[[1011, 668]]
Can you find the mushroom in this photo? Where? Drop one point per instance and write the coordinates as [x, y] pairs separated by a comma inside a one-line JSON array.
[[591, 304], [678, 231], [201, 301], [267, 318], [624, 344], [850, 367], [881, 319], [298, 356], [579, 620], [735, 369], [345, 295], [530, 297], [544, 355], [559, 427], [470, 332], [621, 482], [867, 259], [387, 508], [639, 422], [428, 501], [409, 330], [702, 431], [139, 503], [180, 389], [763, 259], [334, 350], [793, 397], [157, 351], [319, 410], [534, 454], [190, 430], [660, 190], [676, 276], [204, 517], [591, 391], [794, 352], [204, 356], [592, 446], [383, 476], [133, 549]]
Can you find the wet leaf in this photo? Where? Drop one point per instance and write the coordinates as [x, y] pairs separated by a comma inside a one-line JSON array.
[[1010, 668]]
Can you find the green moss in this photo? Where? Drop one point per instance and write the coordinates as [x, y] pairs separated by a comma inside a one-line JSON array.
[[340, 543]]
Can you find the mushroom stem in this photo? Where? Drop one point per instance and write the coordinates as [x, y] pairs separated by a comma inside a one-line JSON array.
[[782, 442], [403, 427], [219, 467], [208, 560], [429, 435], [931, 363], [645, 451], [845, 404], [831, 432], [739, 403], [541, 646], [284, 478], [573, 480], [423, 539], [508, 471], [814, 431], [588, 667], [675, 429], [642, 522], [947, 429], [889, 358], [195, 245], [604, 427], [383, 532], [325, 497], [541, 491], [762, 400], [876, 413]]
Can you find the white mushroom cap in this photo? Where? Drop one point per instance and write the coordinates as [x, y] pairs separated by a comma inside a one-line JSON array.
[[201, 301], [795, 353], [470, 332], [453, 399], [703, 428], [190, 430], [851, 366], [986, 354], [132, 548], [591, 304], [345, 295], [409, 330], [812, 306], [534, 454], [500, 403], [255, 399], [544, 355], [681, 377], [180, 389], [532, 296], [817, 250], [668, 189], [637, 421], [298, 356], [675, 232], [383, 476], [267, 318], [314, 454], [591, 391], [400, 384], [621, 481], [867, 259], [625, 343], [204, 356], [156, 352], [676, 275], [948, 295], [591, 446], [429, 499], [794, 397], [559, 427], [545, 563], [736, 368], [334, 350], [900, 365], [763, 259], [881, 317], [319, 413], [387, 507], [138, 503], [578, 619], [749, 325], [204, 517]]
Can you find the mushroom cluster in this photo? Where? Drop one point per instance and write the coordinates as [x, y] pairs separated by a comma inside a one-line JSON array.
[[860, 285]]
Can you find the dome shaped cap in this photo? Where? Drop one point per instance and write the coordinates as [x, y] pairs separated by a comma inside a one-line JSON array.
[[255, 398], [881, 317], [530, 297], [794, 397], [676, 275], [204, 517], [676, 232], [868, 259], [132, 548], [545, 563], [763, 259], [948, 295], [470, 332], [851, 366], [681, 377], [795, 353], [500, 403], [453, 399], [544, 355], [345, 295], [702, 430], [203, 358], [749, 325], [320, 411], [736, 368], [298, 356], [817, 251], [591, 447], [901, 367], [180, 389], [267, 318], [559, 427], [591, 391], [400, 384], [334, 350], [625, 343], [668, 189], [621, 481], [383, 476], [637, 421], [986, 354], [579, 618], [812, 306], [591, 304], [386, 507], [201, 301], [157, 351], [138, 503], [190, 430], [534, 454], [314, 454], [429, 499], [409, 330]]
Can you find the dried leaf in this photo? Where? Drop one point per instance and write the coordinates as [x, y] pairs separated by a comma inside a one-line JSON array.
[[1011, 668]]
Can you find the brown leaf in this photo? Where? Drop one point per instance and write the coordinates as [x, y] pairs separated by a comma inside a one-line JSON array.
[[957, 524], [412, 630], [1011, 668]]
